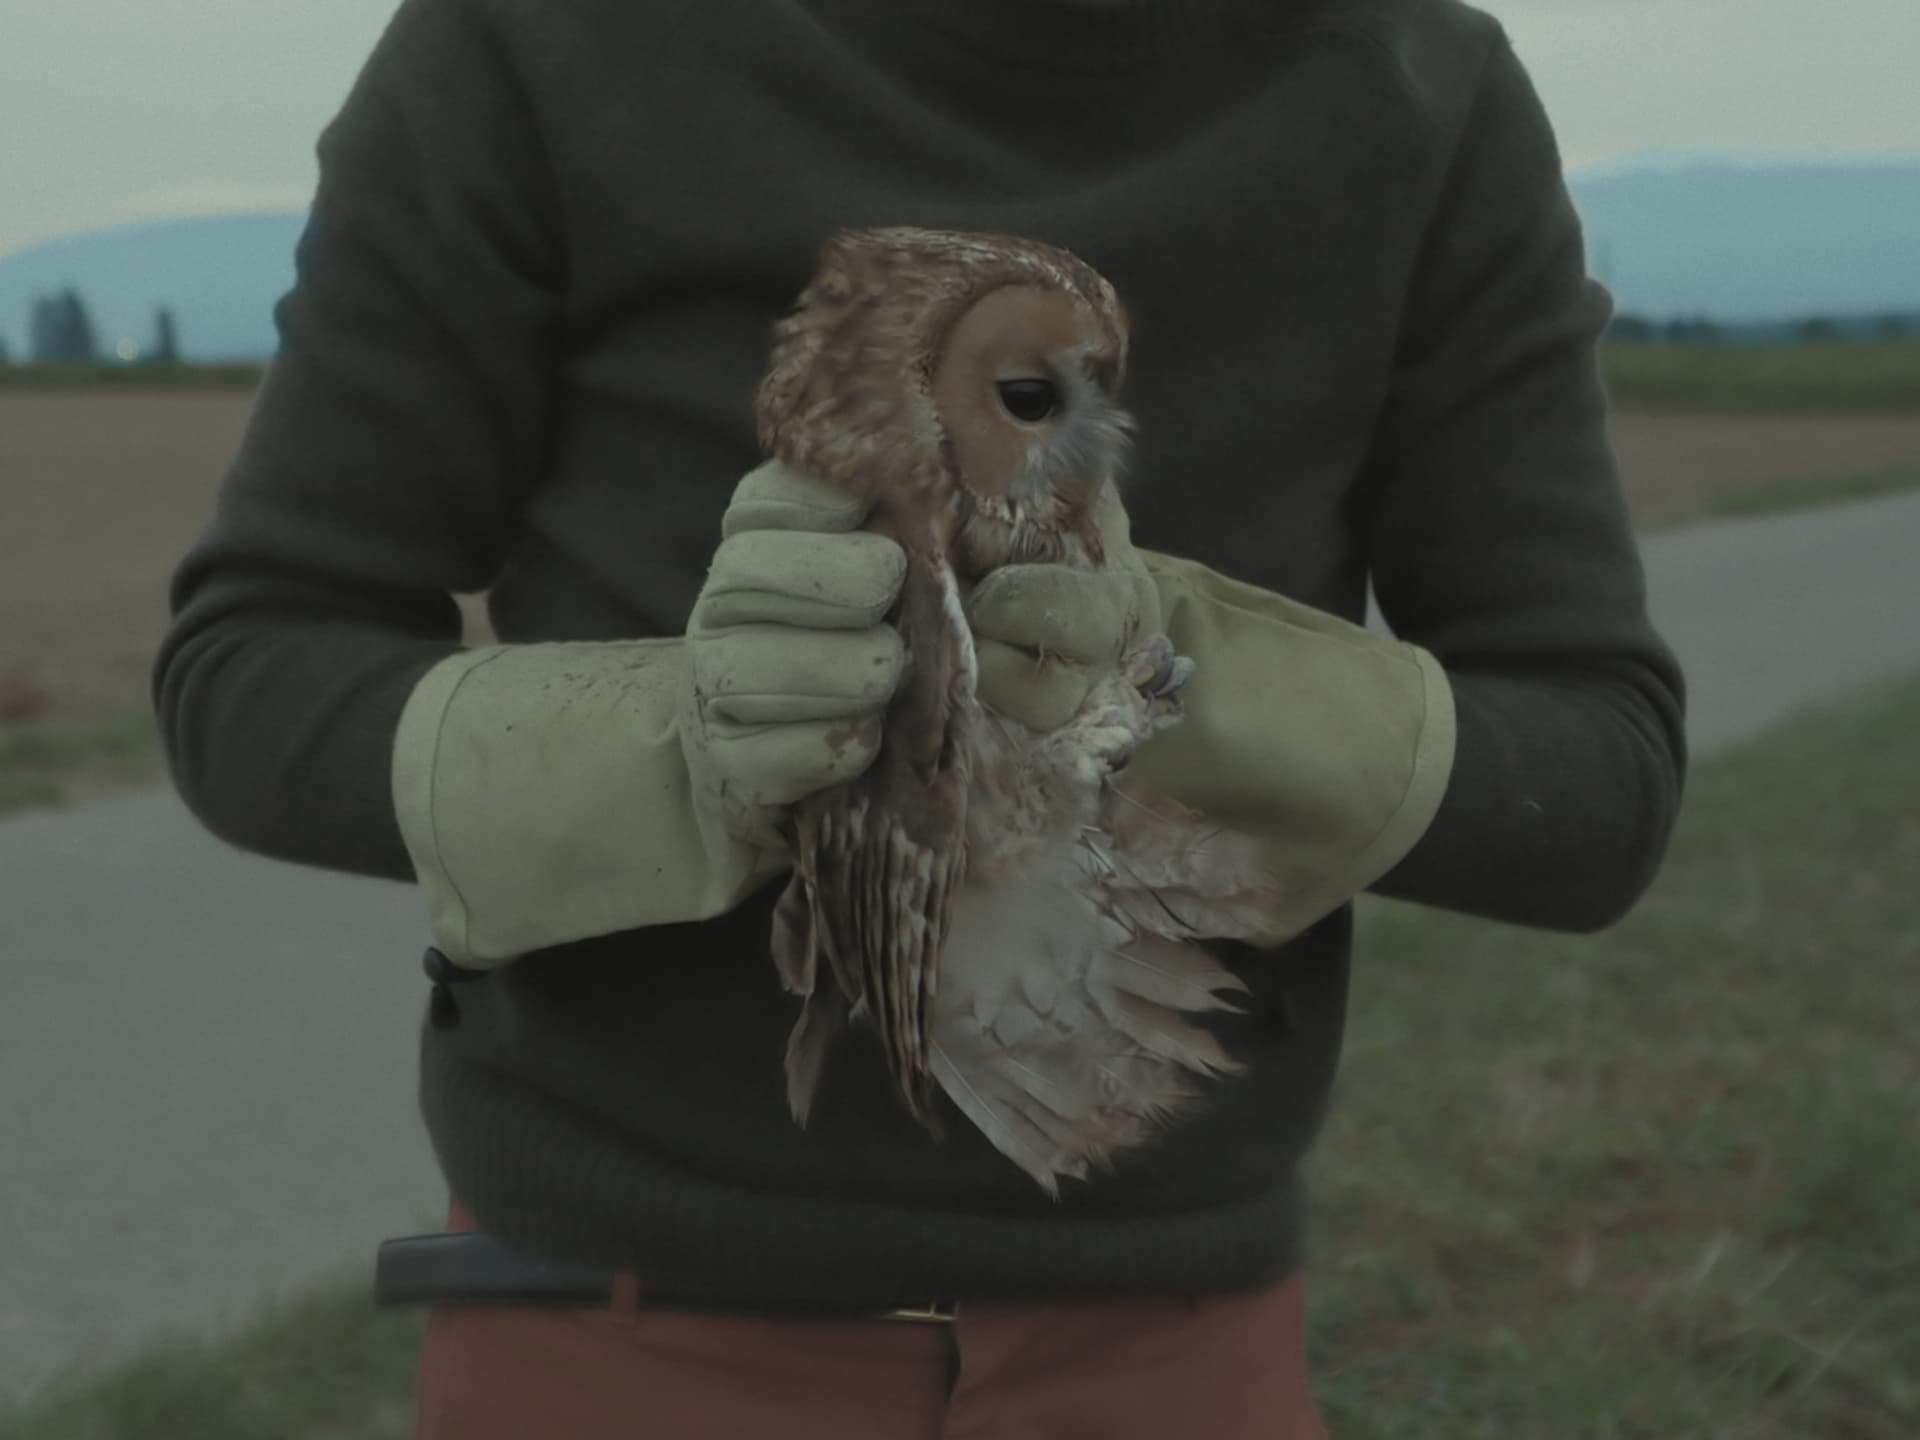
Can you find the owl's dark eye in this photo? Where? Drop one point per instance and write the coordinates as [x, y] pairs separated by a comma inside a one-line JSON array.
[[1029, 401]]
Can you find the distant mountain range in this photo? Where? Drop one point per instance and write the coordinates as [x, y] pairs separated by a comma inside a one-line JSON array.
[[221, 274], [1753, 242], [1744, 240]]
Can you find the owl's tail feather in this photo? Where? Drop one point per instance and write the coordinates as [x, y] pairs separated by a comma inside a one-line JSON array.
[[1160, 1031], [1064, 1036], [1009, 1119], [796, 953], [880, 910], [1163, 972], [823, 1020]]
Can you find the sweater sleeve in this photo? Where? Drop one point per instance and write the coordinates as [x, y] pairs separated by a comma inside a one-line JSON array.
[[1500, 540], [395, 432]]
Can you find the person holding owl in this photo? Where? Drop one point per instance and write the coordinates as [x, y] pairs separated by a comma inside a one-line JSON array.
[[532, 307]]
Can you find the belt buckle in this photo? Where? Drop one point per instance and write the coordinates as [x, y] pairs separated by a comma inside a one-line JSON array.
[[933, 1314]]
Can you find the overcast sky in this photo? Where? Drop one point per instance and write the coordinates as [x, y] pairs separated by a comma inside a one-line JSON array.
[[118, 110]]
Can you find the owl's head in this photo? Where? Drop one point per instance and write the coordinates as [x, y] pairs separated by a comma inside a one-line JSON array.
[[924, 363]]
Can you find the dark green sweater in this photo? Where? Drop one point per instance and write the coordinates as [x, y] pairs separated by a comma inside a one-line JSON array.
[[533, 302]]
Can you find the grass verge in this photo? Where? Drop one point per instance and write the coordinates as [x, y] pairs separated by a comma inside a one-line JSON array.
[[1809, 377], [1660, 1182], [327, 1367], [1682, 506], [56, 761], [1814, 491]]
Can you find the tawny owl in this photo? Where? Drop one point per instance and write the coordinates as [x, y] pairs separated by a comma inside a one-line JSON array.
[[1016, 923]]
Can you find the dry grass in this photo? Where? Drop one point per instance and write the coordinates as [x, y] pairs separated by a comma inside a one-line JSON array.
[[1680, 469], [1802, 378], [104, 490], [103, 493]]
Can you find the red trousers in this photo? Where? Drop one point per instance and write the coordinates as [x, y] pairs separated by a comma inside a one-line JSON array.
[[1224, 1369]]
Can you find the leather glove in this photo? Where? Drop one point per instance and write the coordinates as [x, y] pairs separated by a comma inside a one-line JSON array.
[[791, 661], [554, 792], [1330, 744]]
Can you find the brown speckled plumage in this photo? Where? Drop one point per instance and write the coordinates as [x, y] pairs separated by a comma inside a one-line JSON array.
[[1016, 927]]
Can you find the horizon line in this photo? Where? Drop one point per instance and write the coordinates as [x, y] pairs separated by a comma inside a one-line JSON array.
[[1655, 160]]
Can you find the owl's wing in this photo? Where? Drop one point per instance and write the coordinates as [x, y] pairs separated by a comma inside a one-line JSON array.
[[1064, 1035], [1074, 982], [1176, 874], [874, 876]]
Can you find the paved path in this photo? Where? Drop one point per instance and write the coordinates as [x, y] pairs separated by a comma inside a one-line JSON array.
[[206, 1081], [1772, 614], [206, 1060]]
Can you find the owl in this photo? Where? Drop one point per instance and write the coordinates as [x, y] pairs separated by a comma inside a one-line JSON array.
[[1018, 926]]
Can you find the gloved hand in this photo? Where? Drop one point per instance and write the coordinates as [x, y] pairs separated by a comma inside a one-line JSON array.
[[791, 663], [554, 792]]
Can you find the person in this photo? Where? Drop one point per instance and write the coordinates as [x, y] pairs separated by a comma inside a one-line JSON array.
[[533, 300]]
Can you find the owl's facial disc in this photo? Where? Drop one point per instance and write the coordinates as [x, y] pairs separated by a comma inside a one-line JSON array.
[[1024, 388]]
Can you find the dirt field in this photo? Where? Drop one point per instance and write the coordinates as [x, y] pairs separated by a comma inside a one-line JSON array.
[[101, 491], [1676, 466]]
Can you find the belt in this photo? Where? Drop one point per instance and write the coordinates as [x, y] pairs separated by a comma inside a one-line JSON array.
[[470, 1267]]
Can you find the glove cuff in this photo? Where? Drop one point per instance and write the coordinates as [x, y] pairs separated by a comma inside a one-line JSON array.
[[1329, 743], [1429, 768], [543, 796]]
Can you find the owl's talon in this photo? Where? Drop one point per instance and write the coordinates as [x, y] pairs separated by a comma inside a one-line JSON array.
[[1172, 677], [1145, 667]]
